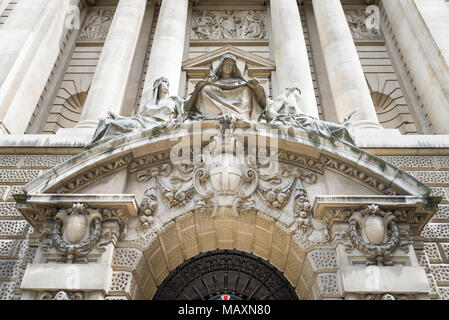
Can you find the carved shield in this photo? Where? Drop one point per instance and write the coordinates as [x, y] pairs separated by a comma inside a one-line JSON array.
[[375, 229], [76, 228], [226, 177]]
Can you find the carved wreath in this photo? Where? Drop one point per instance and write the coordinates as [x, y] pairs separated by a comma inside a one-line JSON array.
[[382, 251], [78, 230]]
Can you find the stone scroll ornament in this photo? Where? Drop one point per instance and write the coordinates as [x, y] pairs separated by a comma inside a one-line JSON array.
[[375, 233], [225, 178], [78, 231], [229, 25]]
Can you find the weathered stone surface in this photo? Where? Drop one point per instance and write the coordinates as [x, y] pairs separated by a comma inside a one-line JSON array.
[[123, 283], [438, 231], [433, 253], [441, 273], [400, 79], [14, 229]]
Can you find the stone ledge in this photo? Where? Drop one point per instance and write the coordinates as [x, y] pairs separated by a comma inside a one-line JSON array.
[[36, 141], [374, 279], [366, 139], [374, 140], [52, 276]]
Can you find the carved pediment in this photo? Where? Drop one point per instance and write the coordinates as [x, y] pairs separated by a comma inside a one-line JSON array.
[[249, 64]]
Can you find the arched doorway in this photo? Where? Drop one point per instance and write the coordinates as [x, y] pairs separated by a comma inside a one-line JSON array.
[[228, 275]]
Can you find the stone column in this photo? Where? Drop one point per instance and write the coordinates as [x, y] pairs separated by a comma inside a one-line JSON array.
[[21, 37], [347, 80], [292, 61], [420, 29], [168, 47], [3, 5], [108, 88]]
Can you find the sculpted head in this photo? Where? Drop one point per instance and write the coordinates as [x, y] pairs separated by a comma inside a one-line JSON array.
[[227, 68]]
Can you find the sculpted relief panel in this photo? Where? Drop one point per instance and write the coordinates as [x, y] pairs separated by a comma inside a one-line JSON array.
[[357, 24], [97, 25], [229, 25]]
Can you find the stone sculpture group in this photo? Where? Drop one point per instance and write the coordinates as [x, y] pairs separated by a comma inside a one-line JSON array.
[[225, 92], [228, 25]]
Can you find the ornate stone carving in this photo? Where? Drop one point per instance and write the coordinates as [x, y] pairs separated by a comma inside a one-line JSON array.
[[389, 296], [225, 172], [148, 207], [97, 26], [62, 295], [357, 24], [229, 25], [77, 231], [375, 233], [225, 177], [73, 225], [226, 92], [162, 113], [284, 110], [92, 175], [354, 173], [149, 160]]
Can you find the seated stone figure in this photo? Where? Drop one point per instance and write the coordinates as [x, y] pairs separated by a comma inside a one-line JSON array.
[[226, 92], [284, 110], [160, 110]]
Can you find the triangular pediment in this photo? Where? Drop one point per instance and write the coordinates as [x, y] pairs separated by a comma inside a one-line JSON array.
[[248, 63]]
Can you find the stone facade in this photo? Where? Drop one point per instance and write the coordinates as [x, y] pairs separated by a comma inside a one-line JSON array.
[[113, 216]]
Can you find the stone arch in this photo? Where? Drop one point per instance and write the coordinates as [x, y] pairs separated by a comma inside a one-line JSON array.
[[140, 266]]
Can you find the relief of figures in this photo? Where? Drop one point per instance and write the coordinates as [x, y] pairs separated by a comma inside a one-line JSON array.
[[229, 24], [97, 25], [357, 24]]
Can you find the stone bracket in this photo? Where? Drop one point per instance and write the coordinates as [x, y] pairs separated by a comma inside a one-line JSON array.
[[338, 208], [34, 206]]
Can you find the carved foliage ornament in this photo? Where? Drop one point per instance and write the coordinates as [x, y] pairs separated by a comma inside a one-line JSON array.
[[375, 233], [93, 174], [79, 230], [225, 178]]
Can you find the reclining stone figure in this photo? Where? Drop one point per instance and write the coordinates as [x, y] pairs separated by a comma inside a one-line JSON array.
[[224, 93], [161, 110], [284, 111]]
